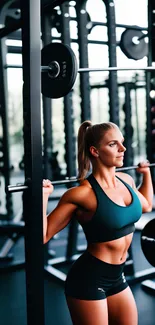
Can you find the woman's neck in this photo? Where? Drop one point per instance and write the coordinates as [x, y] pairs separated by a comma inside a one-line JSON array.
[[106, 176]]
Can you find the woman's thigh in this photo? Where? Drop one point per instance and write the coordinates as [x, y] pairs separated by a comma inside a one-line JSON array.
[[88, 312], [122, 308]]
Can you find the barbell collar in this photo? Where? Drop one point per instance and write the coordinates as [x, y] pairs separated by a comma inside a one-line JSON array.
[[44, 68], [135, 40], [53, 69]]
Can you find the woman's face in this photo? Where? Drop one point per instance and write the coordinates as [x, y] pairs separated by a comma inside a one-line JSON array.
[[111, 149]]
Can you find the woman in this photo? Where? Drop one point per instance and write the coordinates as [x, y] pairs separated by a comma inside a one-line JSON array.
[[106, 204]]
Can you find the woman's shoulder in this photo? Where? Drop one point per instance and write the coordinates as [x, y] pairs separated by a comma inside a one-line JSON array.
[[79, 192], [126, 178]]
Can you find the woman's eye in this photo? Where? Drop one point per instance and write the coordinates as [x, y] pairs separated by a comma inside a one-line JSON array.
[[112, 144]]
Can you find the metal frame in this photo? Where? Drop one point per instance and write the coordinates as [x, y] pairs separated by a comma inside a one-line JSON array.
[[83, 59], [135, 87], [128, 129], [16, 33], [112, 46], [32, 198], [149, 86], [70, 150], [47, 107], [99, 23], [5, 170], [150, 285]]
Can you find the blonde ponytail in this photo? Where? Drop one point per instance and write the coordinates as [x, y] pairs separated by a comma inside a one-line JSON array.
[[83, 159]]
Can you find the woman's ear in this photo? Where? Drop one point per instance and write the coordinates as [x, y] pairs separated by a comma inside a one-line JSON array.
[[94, 152]]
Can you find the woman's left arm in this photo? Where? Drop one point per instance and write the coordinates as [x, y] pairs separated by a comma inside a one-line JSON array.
[[145, 190]]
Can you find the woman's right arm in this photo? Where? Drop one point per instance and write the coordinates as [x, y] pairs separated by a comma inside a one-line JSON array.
[[61, 215]]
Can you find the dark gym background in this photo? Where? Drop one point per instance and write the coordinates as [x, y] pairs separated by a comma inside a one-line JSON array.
[[93, 29]]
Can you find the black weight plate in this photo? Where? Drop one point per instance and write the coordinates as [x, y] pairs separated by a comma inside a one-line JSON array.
[[148, 241], [131, 50], [63, 83]]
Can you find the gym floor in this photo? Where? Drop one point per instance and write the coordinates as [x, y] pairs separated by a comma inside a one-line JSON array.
[[13, 290]]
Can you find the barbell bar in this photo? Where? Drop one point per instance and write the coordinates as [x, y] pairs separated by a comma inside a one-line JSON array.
[[58, 80], [133, 167], [149, 68], [82, 70], [22, 187]]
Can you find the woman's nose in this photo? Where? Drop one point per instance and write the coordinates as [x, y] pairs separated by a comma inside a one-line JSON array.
[[122, 148]]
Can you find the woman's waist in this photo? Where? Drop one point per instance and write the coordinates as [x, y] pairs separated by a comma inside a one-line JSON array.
[[113, 252]]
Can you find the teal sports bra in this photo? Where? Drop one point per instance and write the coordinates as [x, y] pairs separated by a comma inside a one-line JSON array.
[[110, 220]]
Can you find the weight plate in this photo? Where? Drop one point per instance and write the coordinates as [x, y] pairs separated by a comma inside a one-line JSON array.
[[63, 83], [129, 48], [148, 241]]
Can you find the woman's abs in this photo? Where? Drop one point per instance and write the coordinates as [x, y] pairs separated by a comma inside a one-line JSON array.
[[114, 251]]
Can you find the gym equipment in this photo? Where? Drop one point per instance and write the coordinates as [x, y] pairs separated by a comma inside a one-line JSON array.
[[148, 241], [32, 203], [62, 70], [133, 44], [59, 69], [22, 187], [10, 227], [14, 230], [148, 248], [5, 163]]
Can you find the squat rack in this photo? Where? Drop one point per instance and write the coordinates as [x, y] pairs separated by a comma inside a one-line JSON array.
[[32, 198]]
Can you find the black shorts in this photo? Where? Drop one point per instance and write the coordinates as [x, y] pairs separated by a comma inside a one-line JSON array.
[[92, 279]]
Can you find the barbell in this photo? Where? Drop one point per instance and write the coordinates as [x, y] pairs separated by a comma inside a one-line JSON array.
[[59, 69], [22, 187], [60, 64]]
